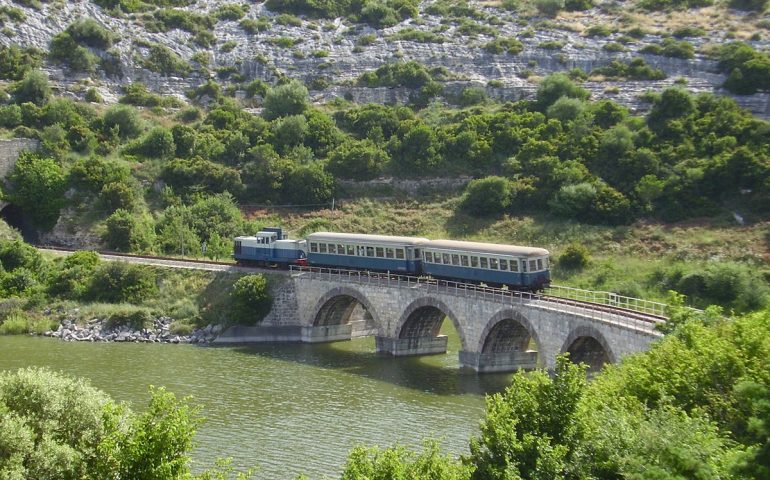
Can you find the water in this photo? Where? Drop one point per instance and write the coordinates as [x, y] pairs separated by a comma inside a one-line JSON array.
[[285, 409]]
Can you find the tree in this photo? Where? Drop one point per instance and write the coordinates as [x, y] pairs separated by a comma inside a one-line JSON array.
[[307, 185], [398, 463], [128, 233], [250, 300], [33, 88], [57, 427], [574, 257], [357, 160], [218, 247], [532, 430], [283, 100], [566, 109], [118, 195], [37, 186], [487, 196], [17, 254], [158, 143]]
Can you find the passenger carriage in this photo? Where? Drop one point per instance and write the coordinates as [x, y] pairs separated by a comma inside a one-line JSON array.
[[368, 252], [518, 267]]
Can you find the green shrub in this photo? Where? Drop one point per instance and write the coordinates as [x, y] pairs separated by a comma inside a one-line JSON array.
[[37, 186], [15, 324], [251, 26], [118, 195], [284, 100], [574, 257], [124, 120], [507, 45], [487, 196], [162, 59], [87, 31], [407, 74], [231, 11], [134, 319], [250, 300], [128, 233], [33, 88], [357, 160], [65, 50], [18, 254], [16, 61], [549, 8], [119, 282]]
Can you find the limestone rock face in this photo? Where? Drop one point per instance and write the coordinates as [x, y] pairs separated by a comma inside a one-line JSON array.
[[329, 56]]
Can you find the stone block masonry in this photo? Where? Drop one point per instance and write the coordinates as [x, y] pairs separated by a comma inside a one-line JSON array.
[[498, 331], [10, 151]]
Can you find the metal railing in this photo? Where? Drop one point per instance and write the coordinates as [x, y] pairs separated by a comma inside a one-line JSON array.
[[609, 298], [621, 313]]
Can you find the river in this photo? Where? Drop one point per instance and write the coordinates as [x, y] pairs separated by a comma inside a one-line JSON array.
[[284, 409]]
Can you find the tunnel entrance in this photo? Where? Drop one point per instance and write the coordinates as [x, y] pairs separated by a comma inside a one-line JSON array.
[[590, 351], [14, 216]]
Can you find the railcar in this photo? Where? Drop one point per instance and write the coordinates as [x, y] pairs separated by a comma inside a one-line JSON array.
[[521, 268], [368, 252], [269, 247]]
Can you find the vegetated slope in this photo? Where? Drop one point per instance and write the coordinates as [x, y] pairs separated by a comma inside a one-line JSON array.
[[175, 46]]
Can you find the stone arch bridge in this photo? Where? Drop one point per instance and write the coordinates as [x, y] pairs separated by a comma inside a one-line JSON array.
[[498, 330]]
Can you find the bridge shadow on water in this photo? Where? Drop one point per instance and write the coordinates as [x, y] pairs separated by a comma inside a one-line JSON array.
[[435, 374]]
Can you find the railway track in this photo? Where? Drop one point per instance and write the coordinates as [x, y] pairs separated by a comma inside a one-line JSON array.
[[210, 265]]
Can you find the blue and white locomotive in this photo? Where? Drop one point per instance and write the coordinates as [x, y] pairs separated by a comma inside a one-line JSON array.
[[522, 268]]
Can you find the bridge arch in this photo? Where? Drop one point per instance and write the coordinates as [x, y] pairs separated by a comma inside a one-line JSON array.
[[508, 331], [336, 306], [423, 318], [586, 344]]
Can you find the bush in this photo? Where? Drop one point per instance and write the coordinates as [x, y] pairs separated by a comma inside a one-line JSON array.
[[409, 74], [250, 300], [162, 59], [37, 186], [124, 119], [158, 143], [33, 88], [88, 31], [128, 233], [118, 195], [549, 8], [65, 50], [17, 254], [556, 86], [284, 100], [93, 173], [15, 61], [574, 257], [73, 277], [357, 160], [487, 196], [54, 426], [118, 282]]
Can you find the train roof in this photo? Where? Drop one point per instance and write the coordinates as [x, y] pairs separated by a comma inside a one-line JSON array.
[[365, 238], [479, 247]]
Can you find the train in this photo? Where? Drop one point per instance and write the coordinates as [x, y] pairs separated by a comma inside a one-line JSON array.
[[516, 267]]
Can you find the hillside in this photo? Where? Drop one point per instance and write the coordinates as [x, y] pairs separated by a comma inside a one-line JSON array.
[[504, 48]]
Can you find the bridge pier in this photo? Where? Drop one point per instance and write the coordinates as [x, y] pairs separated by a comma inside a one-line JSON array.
[[326, 333], [499, 362], [403, 347]]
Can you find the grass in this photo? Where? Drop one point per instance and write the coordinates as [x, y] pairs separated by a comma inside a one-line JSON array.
[[20, 323]]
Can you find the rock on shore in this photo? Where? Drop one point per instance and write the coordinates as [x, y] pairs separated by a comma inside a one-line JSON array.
[[99, 330]]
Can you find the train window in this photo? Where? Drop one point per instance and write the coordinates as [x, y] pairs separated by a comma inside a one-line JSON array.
[[484, 262], [322, 248], [417, 253], [313, 247], [455, 259], [428, 256], [369, 251], [523, 265], [380, 252], [514, 265], [340, 249], [389, 253], [445, 259], [493, 263], [545, 263], [332, 248], [532, 266], [351, 249], [464, 260], [504, 265], [475, 262], [400, 253], [539, 263]]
